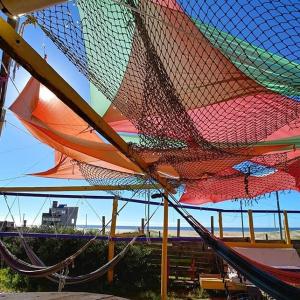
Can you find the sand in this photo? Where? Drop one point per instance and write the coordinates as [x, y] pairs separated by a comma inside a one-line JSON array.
[[274, 235]]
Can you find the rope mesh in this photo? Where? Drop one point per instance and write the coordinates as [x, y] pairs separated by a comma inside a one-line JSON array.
[[203, 82]]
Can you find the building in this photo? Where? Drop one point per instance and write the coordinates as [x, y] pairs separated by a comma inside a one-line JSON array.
[[60, 215], [7, 225]]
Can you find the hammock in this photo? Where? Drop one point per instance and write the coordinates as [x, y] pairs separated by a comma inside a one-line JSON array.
[[38, 269], [277, 283], [68, 280]]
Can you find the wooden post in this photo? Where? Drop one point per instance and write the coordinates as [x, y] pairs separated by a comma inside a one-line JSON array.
[[178, 227], [279, 215], [103, 225], [212, 225], [164, 253], [220, 225], [111, 244], [148, 215], [242, 219], [286, 228], [143, 226], [251, 227]]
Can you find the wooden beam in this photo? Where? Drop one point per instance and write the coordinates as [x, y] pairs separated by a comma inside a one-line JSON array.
[[28, 58], [4, 75], [111, 244], [76, 188], [164, 254]]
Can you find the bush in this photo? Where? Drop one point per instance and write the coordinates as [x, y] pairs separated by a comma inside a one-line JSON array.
[[10, 281], [132, 275]]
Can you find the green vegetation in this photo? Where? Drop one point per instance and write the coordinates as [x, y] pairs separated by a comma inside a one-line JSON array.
[[134, 277]]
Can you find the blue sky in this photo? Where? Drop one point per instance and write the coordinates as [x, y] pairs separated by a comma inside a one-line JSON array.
[[21, 154]]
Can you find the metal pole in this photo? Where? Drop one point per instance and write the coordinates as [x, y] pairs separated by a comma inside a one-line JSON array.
[[279, 216], [4, 75], [242, 219], [212, 226]]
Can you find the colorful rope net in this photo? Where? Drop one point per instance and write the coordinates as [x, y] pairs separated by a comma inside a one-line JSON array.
[[211, 89]]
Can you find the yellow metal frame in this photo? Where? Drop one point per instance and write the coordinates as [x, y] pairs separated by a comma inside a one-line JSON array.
[[77, 188], [27, 57]]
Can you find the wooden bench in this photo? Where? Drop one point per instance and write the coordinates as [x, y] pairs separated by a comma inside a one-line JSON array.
[[215, 282]]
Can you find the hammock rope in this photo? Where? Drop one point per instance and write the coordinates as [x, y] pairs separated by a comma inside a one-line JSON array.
[[276, 283], [38, 268]]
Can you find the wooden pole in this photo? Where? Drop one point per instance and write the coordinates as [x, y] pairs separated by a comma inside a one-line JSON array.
[[251, 227], [111, 244], [286, 228], [178, 227], [220, 225], [103, 225], [164, 254], [279, 216], [242, 219], [142, 226], [212, 229]]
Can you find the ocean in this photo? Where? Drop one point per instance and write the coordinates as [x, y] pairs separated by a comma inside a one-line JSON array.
[[159, 228]]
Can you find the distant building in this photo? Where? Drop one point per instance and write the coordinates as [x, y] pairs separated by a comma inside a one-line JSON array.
[[7, 225], [60, 215]]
